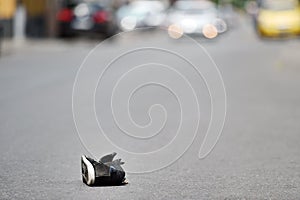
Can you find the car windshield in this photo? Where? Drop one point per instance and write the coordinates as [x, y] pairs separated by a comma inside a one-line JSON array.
[[194, 7], [278, 5], [144, 8], [139, 10]]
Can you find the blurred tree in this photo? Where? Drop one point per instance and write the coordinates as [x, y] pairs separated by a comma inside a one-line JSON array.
[[237, 3]]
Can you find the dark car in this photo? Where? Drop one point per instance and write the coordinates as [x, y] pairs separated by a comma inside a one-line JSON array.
[[91, 17]]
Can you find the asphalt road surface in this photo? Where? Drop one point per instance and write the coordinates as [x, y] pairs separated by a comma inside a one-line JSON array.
[[257, 156]]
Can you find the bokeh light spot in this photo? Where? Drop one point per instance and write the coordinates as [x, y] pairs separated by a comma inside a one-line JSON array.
[[175, 31], [210, 31]]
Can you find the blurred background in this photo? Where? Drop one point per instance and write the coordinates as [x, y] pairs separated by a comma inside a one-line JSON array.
[[68, 18], [255, 44]]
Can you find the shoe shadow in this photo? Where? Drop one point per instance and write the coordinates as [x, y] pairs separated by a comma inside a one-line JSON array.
[[107, 185]]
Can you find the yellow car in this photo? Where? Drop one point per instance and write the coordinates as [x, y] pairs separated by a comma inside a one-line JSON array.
[[278, 18]]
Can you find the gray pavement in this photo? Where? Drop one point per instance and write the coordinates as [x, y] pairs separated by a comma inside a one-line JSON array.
[[257, 156]]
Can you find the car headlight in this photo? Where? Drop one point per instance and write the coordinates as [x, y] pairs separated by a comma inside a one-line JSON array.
[[209, 31], [175, 31], [128, 23], [220, 24]]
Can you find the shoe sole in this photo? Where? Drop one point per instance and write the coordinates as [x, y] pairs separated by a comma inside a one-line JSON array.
[[88, 171]]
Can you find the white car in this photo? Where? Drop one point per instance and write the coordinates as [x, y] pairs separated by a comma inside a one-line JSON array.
[[140, 14], [195, 17]]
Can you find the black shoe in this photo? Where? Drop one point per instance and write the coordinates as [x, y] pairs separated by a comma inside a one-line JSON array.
[[105, 172], [87, 170]]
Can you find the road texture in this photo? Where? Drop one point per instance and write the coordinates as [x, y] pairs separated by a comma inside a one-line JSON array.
[[257, 156]]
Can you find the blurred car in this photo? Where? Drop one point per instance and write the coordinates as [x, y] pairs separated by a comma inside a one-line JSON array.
[[229, 15], [195, 17], [278, 18], [138, 14], [91, 17], [1, 37]]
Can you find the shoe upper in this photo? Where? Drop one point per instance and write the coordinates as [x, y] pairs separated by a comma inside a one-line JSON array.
[[107, 170]]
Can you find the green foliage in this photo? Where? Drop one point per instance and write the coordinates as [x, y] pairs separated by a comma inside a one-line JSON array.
[[236, 3], [239, 3]]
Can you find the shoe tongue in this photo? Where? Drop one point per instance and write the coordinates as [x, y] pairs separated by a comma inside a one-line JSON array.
[[108, 158]]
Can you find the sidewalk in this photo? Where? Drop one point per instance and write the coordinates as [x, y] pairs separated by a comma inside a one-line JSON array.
[[23, 46]]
